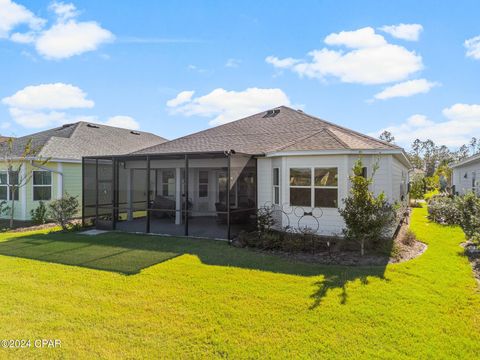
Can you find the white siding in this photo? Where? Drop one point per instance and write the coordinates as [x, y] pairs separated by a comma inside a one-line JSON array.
[[399, 181], [463, 175], [388, 178]]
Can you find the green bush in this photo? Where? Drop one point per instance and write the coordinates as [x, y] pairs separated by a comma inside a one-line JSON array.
[[417, 187], [368, 218], [443, 210], [409, 238], [63, 210], [39, 214], [468, 208]]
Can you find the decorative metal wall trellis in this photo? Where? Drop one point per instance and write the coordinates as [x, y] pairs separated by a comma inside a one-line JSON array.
[[304, 214]]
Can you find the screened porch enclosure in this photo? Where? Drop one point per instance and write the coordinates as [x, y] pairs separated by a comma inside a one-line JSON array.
[[204, 195]]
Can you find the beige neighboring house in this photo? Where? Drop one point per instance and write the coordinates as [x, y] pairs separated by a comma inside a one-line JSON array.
[[65, 146], [466, 175]]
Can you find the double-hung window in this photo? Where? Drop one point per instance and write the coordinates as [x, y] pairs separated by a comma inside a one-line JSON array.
[[314, 187], [8, 185], [42, 185], [8, 180], [276, 186]]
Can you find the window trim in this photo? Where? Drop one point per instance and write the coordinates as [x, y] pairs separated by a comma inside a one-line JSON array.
[[200, 184], [312, 185], [8, 185], [277, 186], [43, 185]]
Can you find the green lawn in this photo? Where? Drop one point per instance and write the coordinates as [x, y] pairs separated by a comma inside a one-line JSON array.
[[132, 296]]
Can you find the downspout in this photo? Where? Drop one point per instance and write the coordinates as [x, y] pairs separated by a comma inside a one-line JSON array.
[[48, 169]]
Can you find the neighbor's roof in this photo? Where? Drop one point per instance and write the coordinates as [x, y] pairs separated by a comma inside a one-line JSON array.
[[286, 130], [73, 141], [467, 161]]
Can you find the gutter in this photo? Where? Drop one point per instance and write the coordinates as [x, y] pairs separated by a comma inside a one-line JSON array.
[[48, 169]]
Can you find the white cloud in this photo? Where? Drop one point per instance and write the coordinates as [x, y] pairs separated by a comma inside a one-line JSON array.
[[123, 121], [181, 98], [410, 32], [13, 15], [462, 122], [23, 38], [226, 106], [35, 119], [233, 63], [405, 89], [281, 63], [358, 39], [48, 105], [371, 60], [66, 37], [64, 11], [473, 47], [49, 96]]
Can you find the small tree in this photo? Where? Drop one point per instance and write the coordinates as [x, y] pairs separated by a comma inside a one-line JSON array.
[[367, 217], [64, 210], [417, 187], [15, 159]]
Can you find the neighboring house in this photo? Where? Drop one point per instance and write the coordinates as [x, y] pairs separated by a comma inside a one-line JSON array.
[[64, 148], [466, 175], [210, 183]]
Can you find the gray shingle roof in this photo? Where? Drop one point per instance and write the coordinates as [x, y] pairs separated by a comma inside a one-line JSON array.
[[289, 130], [72, 141]]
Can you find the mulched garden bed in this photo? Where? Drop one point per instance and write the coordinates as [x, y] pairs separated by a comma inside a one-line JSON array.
[[400, 252]]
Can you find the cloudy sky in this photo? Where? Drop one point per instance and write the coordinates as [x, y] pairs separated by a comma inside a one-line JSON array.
[[412, 68]]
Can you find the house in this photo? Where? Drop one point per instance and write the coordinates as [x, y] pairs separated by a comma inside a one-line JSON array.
[[211, 183], [466, 175], [64, 148]]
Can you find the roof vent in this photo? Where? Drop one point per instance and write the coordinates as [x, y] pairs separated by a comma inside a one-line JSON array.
[[300, 110], [134, 132], [93, 126], [64, 126], [271, 113]]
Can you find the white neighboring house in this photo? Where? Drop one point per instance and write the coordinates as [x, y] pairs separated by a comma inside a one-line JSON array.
[[295, 161], [466, 175]]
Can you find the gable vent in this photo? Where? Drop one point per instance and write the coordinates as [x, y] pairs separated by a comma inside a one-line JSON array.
[[134, 132], [271, 113], [93, 126]]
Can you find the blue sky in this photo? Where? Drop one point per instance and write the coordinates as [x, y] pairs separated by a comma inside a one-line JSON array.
[[174, 68]]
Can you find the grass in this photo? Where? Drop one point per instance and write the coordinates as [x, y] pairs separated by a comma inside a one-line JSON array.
[[133, 296]]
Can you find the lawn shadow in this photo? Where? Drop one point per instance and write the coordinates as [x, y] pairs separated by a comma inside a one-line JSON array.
[[128, 254]]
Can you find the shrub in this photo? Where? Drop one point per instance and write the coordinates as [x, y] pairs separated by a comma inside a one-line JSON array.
[[409, 238], [468, 208], [443, 210], [63, 210], [417, 187], [39, 214], [367, 217], [265, 220]]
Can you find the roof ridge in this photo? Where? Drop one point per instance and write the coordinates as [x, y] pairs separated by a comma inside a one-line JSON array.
[[293, 142], [215, 127], [342, 128], [338, 139]]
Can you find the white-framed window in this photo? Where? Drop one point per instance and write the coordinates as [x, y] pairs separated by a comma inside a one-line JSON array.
[[276, 186], [314, 187], [42, 185], [7, 179], [203, 183], [168, 182], [474, 181]]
